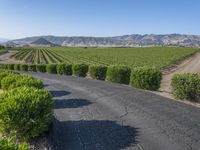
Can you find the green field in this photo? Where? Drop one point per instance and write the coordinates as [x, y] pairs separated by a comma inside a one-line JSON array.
[[159, 57]]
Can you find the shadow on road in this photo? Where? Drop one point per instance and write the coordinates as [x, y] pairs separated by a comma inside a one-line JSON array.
[[70, 103], [59, 93], [91, 135]]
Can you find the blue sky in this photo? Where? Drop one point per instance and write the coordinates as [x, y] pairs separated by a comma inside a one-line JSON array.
[[21, 18]]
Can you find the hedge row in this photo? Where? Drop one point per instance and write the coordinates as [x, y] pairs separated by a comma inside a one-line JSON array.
[[139, 77], [186, 86], [25, 108]]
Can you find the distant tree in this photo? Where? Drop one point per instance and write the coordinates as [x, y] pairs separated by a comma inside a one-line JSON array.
[[2, 47]]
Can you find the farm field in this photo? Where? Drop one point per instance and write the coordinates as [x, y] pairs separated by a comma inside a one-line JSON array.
[[159, 57]]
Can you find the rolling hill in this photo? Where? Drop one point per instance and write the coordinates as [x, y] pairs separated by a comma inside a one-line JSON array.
[[134, 40]]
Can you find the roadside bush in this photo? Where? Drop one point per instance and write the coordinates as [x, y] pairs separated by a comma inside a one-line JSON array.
[[4, 74], [51, 68], [23, 67], [14, 81], [146, 78], [80, 70], [64, 69], [1, 66], [9, 144], [118, 74], [186, 86], [17, 67], [4, 66], [98, 72], [41, 68], [10, 66], [32, 68], [25, 112]]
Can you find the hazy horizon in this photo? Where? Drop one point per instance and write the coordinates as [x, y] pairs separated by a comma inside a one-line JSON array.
[[95, 18]]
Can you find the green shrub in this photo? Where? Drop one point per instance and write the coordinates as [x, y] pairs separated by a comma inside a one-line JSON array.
[[118, 74], [32, 68], [23, 67], [146, 78], [80, 70], [1, 66], [14, 81], [64, 69], [4, 66], [9, 144], [41, 68], [17, 67], [3, 74], [10, 66], [25, 112], [51, 68], [186, 86], [98, 72]]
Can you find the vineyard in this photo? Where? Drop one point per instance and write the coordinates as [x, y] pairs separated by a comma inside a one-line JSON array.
[[151, 56]]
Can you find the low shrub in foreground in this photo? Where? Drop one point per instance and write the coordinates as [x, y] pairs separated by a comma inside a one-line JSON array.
[[23, 67], [146, 78], [32, 68], [15, 80], [11, 66], [64, 69], [80, 70], [17, 67], [51, 68], [41, 68], [98, 72], [186, 86], [118, 74], [9, 144], [3, 74], [25, 112]]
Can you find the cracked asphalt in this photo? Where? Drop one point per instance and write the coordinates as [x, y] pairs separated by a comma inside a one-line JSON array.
[[98, 115]]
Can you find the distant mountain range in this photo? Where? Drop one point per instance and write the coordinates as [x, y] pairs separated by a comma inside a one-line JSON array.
[[134, 40], [2, 40]]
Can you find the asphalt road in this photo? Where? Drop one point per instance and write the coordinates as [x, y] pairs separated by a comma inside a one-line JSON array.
[[97, 115]]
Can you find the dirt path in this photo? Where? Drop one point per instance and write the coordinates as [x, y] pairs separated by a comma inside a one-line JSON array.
[[190, 65], [6, 58]]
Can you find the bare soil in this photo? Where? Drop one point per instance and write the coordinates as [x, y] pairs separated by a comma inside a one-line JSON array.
[[6, 58]]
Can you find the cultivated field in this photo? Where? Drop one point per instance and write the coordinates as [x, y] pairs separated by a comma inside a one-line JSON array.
[[159, 57]]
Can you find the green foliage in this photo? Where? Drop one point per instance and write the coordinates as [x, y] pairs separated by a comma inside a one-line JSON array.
[[146, 78], [23, 67], [80, 70], [159, 57], [25, 112], [51, 68], [32, 68], [118, 74], [3, 74], [64, 69], [14, 80], [41, 68], [9, 144], [4, 66], [10, 66], [186, 86], [1, 66], [2, 47], [17, 67], [98, 72]]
